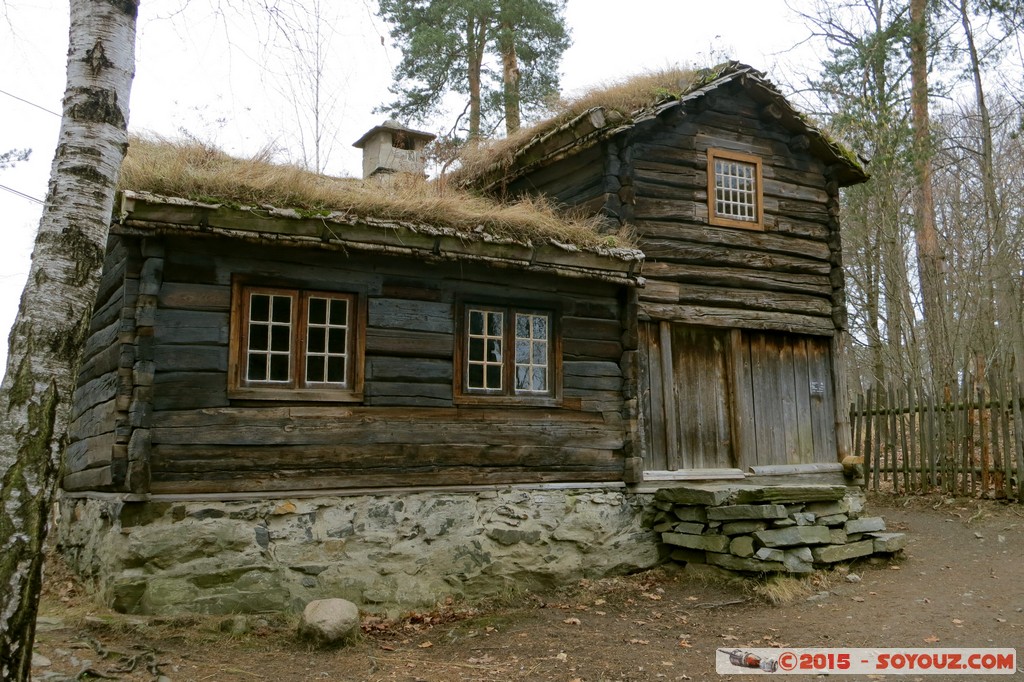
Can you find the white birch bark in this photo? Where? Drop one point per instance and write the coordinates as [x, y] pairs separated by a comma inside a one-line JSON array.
[[50, 329]]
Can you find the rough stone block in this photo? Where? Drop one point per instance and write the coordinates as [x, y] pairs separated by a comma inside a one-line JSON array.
[[794, 535], [833, 520], [827, 508], [830, 554], [708, 495], [855, 502], [734, 563], [710, 543], [871, 524], [838, 536], [663, 505], [688, 556], [888, 542], [789, 493], [801, 553], [689, 528], [739, 512], [663, 527], [804, 518], [795, 565], [329, 621], [783, 523], [692, 513], [742, 546], [770, 554], [743, 527]]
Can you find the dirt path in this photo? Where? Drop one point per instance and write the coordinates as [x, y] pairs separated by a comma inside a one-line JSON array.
[[961, 584]]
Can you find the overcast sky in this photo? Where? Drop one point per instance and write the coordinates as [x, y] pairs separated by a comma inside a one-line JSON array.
[[224, 79]]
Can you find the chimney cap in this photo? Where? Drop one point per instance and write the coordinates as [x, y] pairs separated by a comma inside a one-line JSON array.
[[393, 126]]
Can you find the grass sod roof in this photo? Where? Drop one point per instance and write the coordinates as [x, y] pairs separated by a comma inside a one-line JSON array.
[[606, 111], [204, 174]]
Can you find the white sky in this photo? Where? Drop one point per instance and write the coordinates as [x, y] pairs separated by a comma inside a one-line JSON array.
[[217, 80]]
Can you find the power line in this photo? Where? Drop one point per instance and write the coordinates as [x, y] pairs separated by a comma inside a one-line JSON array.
[[21, 194], [31, 104]]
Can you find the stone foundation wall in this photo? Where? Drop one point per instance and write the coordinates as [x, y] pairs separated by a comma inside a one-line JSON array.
[[379, 551], [782, 529]]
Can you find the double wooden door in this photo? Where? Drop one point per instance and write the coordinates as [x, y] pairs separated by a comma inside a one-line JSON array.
[[715, 398]]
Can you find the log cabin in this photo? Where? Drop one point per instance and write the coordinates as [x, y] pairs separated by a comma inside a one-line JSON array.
[[734, 198], [399, 402]]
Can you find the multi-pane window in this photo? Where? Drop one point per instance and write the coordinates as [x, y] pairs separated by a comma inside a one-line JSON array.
[[293, 340], [734, 189], [507, 352]]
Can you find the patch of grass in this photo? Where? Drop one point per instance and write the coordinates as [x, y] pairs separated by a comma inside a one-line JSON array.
[[627, 98], [201, 172], [779, 590]]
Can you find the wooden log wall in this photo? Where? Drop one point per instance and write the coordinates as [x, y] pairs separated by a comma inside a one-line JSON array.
[[785, 278], [96, 456], [187, 436]]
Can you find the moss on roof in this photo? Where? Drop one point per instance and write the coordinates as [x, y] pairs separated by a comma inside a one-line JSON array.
[[201, 172]]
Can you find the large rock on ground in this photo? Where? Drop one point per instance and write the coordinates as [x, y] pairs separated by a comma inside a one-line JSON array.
[[329, 621]]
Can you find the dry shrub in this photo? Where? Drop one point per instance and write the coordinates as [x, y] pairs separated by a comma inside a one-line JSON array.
[[201, 172]]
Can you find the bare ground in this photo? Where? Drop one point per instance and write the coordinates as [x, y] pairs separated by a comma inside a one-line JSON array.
[[960, 584]]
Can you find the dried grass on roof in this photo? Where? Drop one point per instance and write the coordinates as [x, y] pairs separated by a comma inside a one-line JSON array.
[[627, 97], [200, 172]]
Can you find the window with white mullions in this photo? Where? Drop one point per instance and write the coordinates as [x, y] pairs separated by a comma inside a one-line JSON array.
[[327, 331], [270, 338], [507, 354], [531, 353], [290, 344], [734, 190], [486, 333]]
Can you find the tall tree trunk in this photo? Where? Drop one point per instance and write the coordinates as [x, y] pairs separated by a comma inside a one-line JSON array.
[[510, 76], [476, 43], [49, 332], [930, 258], [1010, 330]]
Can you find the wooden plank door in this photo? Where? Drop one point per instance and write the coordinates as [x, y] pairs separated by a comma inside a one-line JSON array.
[[792, 398]]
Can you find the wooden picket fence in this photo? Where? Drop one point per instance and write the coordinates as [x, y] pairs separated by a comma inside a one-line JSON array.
[[965, 440]]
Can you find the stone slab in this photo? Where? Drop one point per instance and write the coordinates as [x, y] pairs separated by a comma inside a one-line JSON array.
[[783, 523], [869, 524], [833, 520], [770, 554], [710, 543], [707, 495], [688, 528], [734, 563], [888, 542], [804, 518], [742, 512], [790, 493], [801, 553], [794, 535], [828, 508], [831, 554], [692, 513], [743, 527], [838, 536], [742, 546]]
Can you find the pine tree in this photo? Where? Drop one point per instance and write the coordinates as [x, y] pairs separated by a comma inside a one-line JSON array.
[[502, 57]]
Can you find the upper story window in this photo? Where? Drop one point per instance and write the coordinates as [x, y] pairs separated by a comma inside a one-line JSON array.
[[294, 345], [507, 352], [734, 190]]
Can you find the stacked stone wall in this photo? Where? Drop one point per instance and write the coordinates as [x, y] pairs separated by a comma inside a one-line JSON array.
[[380, 551], [780, 529]]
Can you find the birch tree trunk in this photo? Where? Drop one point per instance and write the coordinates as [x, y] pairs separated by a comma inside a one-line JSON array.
[[49, 332]]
